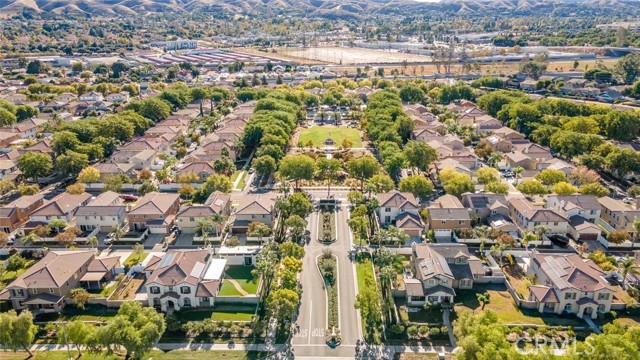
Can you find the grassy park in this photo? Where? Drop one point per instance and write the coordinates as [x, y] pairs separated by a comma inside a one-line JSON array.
[[318, 134]]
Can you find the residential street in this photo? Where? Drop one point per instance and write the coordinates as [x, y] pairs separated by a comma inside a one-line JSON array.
[[310, 340]]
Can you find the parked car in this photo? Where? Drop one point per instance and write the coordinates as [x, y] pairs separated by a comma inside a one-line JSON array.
[[559, 240], [129, 197]]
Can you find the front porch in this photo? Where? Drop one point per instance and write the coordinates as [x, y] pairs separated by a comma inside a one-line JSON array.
[[44, 303]]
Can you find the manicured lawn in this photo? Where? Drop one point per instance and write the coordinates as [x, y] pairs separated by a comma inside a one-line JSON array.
[[243, 177], [433, 315], [505, 307], [134, 259], [228, 289], [242, 274], [366, 279], [155, 355], [226, 312], [319, 134], [89, 313]]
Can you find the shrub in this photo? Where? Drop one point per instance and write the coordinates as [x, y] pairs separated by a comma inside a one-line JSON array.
[[412, 331], [423, 330]]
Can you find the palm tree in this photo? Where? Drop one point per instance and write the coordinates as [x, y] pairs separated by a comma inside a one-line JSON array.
[[628, 266], [398, 236], [517, 171], [218, 221], [92, 241], [203, 225], [495, 158], [528, 237], [483, 299], [118, 232], [205, 238], [541, 231]]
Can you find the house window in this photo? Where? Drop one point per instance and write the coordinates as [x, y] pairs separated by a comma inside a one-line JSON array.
[[433, 299], [465, 283], [569, 296], [50, 290], [154, 290], [603, 296], [187, 302], [387, 209], [204, 301], [461, 222], [34, 291], [431, 282], [156, 302], [443, 221], [185, 290], [568, 308], [192, 219], [170, 288]]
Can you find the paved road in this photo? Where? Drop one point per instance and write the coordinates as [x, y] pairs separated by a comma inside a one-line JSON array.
[[312, 318], [309, 340]]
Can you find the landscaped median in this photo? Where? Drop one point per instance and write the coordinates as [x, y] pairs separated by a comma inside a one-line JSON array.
[[328, 267], [369, 299], [327, 226]]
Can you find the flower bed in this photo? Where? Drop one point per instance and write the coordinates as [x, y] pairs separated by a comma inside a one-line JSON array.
[[329, 271], [327, 227]]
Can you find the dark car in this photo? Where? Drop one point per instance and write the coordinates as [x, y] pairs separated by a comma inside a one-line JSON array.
[[559, 240]]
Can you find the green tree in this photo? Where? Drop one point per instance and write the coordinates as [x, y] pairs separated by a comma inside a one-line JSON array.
[[24, 112], [296, 168], [136, 328], [299, 204], [76, 332], [532, 188], [154, 109], [282, 304], [497, 188], [380, 183], [551, 176], [17, 331], [80, 296], [533, 69], [487, 175], [628, 68], [71, 162], [259, 230], [289, 249], [264, 165], [456, 183], [34, 164], [328, 170], [411, 94], [595, 189], [363, 168], [419, 154], [418, 185], [564, 188], [7, 118], [200, 94]]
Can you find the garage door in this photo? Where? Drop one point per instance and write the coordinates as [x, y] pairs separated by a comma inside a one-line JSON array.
[[442, 234]]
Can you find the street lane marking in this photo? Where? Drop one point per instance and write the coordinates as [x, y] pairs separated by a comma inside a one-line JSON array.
[[310, 312]]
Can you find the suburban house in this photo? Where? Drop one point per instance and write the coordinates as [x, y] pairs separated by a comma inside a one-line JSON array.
[[617, 215], [447, 214], [105, 212], [485, 205], [202, 169], [527, 216], [438, 270], [154, 211], [569, 284], [258, 208], [101, 271], [16, 213], [62, 207], [217, 204], [107, 170], [183, 279], [394, 206], [582, 211], [45, 285]]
